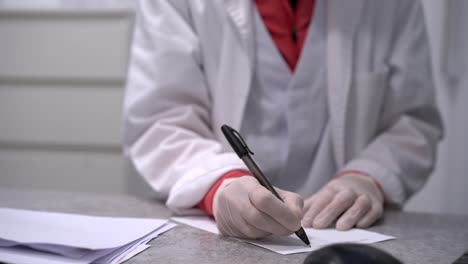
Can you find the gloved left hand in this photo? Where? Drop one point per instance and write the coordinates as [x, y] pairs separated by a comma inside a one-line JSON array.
[[352, 200]]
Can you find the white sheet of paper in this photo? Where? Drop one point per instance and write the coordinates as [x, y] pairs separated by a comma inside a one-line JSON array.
[[23, 255], [80, 231], [74, 238], [112, 256], [135, 252], [117, 256], [292, 244], [200, 222], [168, 226]]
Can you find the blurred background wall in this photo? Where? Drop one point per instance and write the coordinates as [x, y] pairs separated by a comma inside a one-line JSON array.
[[62, 78], [446, 190]]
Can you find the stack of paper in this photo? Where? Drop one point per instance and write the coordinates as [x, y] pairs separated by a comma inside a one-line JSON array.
[[291, 244], [52, 238]]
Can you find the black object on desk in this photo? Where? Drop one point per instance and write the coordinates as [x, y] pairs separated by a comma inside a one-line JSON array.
[[463, 259], [242, 150]]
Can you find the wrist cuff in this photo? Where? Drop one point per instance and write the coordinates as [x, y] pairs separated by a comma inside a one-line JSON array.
[[206, 204], [347, 172]]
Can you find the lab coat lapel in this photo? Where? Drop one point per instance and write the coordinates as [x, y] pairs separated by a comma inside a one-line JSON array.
[[240, 12], [342, 22]]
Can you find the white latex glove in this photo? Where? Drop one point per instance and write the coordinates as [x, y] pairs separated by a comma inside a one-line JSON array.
[[244, 208], [352, 200]]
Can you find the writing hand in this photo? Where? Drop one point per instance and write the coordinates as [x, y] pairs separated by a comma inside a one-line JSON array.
[[244, 208]]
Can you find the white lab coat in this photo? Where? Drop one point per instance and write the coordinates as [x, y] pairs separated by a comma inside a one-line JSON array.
[[191, 71]]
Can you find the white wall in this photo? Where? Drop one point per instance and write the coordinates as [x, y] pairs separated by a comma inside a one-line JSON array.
[[62, 78], [446, 192]]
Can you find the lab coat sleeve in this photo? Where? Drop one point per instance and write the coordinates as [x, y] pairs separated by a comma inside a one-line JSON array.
[[167, 132], [402, 154]]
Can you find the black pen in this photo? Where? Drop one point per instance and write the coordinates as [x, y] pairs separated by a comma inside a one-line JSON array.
[[242, 150]]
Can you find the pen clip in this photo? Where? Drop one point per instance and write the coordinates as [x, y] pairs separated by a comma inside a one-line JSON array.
[[236, 141], [238, 135]]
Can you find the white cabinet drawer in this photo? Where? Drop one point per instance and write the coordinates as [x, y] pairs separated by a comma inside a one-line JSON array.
[[61, 170], [71, 115], [61, 44]]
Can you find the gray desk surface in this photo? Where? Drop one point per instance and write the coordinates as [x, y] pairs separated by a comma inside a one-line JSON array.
[[421, 238]]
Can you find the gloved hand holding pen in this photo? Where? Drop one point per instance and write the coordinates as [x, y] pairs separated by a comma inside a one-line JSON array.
[[244, 208]]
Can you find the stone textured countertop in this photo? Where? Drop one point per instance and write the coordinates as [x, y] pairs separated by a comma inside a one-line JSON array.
[[421, 238]]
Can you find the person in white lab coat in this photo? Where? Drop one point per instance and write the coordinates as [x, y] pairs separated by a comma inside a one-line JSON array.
[[349, 125]]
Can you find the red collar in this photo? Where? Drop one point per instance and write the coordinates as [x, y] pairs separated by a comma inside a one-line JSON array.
[[288, 28]]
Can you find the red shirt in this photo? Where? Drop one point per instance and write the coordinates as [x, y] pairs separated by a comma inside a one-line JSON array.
[[287, 26]]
